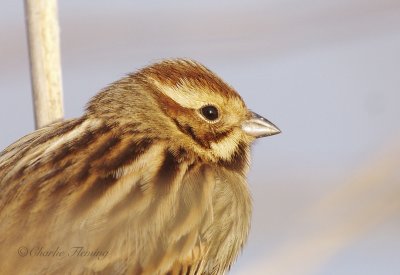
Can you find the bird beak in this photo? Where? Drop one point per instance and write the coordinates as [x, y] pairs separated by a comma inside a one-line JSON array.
[[257, 126]]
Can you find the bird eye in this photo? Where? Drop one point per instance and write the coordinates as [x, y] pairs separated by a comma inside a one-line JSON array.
[[209, 112]]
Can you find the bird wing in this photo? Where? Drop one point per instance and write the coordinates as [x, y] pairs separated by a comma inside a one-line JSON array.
[[127, 202]]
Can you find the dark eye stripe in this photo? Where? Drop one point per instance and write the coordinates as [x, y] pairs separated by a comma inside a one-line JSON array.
[[217, 136], [188, 130]]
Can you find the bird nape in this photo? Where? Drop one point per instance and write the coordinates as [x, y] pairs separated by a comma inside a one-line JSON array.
[[151, 179]]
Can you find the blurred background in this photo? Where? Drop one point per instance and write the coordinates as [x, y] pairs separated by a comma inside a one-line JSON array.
[[327, 190]]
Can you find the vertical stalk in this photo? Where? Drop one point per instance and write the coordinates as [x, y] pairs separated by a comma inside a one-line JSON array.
[[45, 61]]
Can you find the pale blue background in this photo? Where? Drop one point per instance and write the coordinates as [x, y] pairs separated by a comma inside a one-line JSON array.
[[327, 190]]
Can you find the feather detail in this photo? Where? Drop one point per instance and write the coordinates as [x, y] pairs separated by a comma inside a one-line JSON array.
[[161, 216]]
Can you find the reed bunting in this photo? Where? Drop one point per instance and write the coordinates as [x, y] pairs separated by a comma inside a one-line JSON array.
[[153, 176]]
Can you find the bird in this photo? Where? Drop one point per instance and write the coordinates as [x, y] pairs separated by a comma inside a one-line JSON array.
[[151, 179]]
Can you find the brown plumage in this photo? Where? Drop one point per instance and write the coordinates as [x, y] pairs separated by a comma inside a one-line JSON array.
[[152, 177]]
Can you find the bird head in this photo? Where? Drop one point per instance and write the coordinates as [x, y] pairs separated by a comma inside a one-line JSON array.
[[184, 102]]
